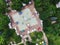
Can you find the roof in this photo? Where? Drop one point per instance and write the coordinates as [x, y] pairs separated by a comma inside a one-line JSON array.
[[53, 18], [58, 5], [26, 20], [23, 18]]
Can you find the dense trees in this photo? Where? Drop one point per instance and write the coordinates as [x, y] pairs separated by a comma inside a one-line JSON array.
[[2, 6], [36, 36], [46, 9], [16, 38], [54, 1]]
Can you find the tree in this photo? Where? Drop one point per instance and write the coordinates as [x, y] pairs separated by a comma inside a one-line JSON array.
[[54, 2], [1, 40], [35, 36], [30, 43], [16, 38]]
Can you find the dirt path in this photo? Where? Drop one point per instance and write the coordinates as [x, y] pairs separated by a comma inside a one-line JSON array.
[[45, 38]]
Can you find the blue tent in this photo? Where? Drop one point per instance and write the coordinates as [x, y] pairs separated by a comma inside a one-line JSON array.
[[20, 13], [17, 22]]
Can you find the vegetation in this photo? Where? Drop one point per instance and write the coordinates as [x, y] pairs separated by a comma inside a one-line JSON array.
[[46, 8], [36, 36], [30, 43]]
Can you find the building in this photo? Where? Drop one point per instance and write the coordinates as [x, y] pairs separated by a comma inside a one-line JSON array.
[[25, 21]]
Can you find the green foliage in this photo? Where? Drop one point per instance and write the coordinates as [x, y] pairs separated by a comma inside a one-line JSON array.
[[30, 43], [47, 8], [2, 7], [35, 36], [16, 5], [54, 1], [1, 40], [16, 38]]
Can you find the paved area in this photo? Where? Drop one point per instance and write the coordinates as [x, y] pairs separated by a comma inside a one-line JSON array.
[[45, 37]]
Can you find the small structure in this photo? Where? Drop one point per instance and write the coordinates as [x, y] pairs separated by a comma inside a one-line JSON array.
[[24, 4], [58, 5], [53, 19], [10, 25], [37, 44]]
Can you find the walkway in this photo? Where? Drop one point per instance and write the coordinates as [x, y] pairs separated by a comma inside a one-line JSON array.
[[45, 38]]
